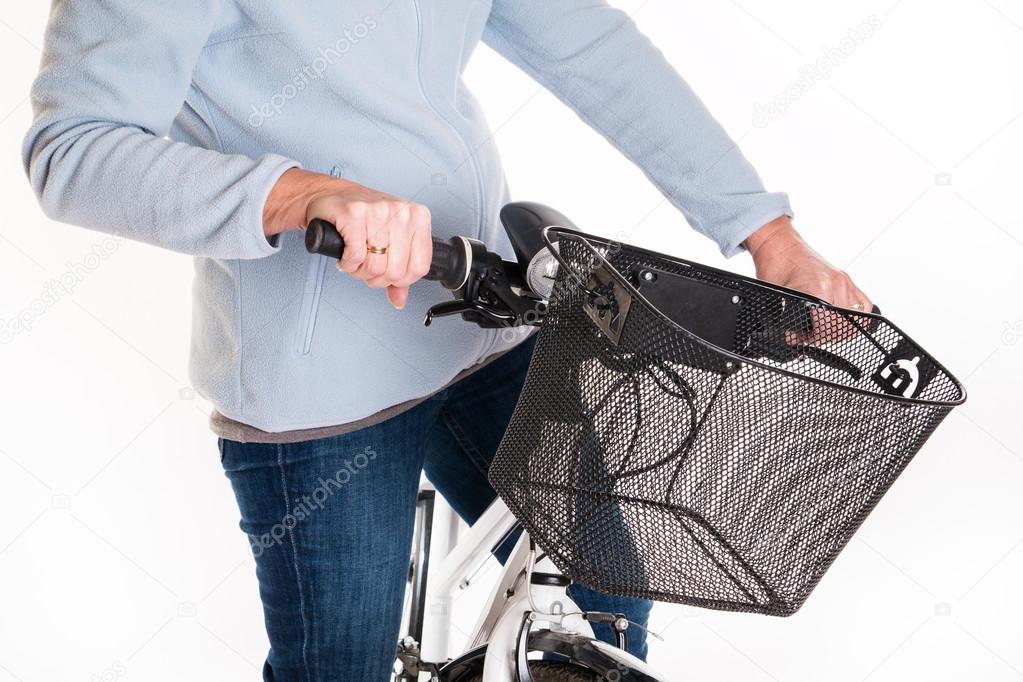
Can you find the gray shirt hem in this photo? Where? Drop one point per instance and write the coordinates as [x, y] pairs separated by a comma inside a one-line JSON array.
[[230, 429]]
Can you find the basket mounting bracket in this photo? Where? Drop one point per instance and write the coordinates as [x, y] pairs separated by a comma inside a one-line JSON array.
[[607, 302]]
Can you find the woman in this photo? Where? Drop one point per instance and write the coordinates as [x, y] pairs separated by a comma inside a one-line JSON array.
[[219, 128]]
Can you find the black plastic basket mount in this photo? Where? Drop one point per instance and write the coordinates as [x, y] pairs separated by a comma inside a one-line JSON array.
[[691, 435]]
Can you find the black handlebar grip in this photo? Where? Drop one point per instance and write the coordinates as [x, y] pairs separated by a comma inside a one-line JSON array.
[[323, 238], [448, 266]]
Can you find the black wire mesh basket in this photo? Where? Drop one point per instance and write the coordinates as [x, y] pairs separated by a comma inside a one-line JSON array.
[[690, 435]]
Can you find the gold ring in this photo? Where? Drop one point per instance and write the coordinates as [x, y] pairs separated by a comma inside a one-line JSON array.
[[857, 306], [376, 249]]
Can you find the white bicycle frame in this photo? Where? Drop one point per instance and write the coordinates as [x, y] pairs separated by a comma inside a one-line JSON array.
[[501, 621]]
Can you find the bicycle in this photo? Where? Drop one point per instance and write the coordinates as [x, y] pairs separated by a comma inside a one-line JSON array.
[[622, 467]]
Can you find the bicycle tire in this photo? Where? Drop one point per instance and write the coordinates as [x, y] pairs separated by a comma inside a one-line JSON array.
[[552, 671]]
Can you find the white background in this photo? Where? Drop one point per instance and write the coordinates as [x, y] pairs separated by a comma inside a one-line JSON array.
[[120, 554]]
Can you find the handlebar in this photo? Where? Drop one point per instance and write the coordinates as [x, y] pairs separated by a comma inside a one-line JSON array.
[[492, 292], [449, 265]]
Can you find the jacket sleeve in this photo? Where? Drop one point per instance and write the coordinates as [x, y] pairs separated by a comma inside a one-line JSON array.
[[114, 75], [596, 60]]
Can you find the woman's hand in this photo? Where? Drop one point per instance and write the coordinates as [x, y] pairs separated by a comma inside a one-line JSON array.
[[782, 257], [387, 240]]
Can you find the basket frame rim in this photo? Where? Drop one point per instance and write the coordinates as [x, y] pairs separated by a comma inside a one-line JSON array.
[[586, 238]]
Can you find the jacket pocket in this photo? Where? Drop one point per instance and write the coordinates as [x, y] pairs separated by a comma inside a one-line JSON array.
[[311, 295], [312, 292]]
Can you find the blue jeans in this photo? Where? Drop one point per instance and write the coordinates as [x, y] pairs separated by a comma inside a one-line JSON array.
[[331, 521]]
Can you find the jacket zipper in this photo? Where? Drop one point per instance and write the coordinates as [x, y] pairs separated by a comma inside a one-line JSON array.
[[470, 157], [480, 202]]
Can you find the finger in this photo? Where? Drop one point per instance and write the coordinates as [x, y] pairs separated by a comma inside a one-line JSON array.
[[798, 337], [398, 296], [421, 247], [377, 235], [818, 321], [848, 295], [352, 226], [826, 325], [397, 250], [863, 303], [842, 326], [829, 326]]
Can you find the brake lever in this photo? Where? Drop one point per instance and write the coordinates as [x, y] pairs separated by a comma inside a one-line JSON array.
[[489, 299], [494, 315], [445, 309]]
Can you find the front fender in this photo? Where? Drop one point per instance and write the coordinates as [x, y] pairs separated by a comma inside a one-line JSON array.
[[602, 658]]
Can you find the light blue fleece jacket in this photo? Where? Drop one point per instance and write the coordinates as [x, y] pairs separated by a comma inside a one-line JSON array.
[[169, 123]]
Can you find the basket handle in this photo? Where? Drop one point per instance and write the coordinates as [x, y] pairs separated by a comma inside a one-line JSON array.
[[819, 354], [874, 313]]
